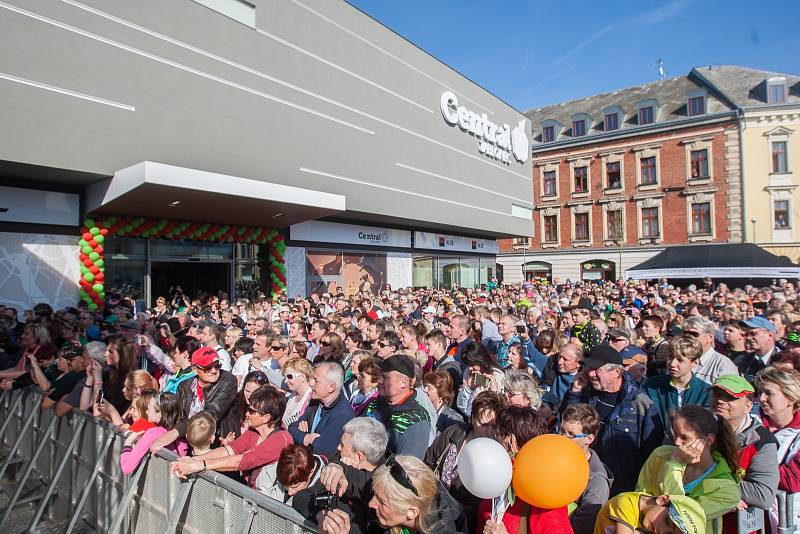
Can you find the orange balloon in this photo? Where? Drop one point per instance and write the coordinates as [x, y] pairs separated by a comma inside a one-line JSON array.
[[550, 471]]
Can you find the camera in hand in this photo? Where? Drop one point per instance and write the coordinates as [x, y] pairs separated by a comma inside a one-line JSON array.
[[326, 500]]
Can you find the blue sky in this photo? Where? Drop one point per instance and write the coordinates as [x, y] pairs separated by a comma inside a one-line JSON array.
[[534, 53]]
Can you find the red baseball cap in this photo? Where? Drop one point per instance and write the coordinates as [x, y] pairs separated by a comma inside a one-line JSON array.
[[204, 356]]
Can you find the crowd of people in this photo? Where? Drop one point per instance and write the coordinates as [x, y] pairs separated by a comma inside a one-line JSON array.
[[353, 409]]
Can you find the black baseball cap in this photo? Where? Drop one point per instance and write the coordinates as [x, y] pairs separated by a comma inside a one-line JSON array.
[[400, 363], [601, 355]]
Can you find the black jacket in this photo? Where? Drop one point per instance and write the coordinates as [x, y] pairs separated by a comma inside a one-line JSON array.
[[219, 402]]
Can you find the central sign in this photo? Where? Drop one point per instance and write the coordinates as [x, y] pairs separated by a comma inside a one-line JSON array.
[[496, 142]]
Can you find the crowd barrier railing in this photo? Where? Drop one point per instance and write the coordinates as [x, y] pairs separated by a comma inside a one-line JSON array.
[[63, 474]]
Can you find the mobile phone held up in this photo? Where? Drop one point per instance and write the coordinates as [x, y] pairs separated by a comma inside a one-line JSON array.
[[520, 329], [481, 381]]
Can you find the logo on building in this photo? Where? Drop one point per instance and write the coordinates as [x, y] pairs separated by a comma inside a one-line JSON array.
[[496, 142], [375, 238]]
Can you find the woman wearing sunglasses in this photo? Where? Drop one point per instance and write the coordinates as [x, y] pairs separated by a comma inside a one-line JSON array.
[[297, 374]]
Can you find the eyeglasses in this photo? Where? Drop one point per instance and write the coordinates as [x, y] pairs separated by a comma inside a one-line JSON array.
[[692, 333], [276, 347], [324, 344], [250, 409], [400, 476], [214, 365], [291, 376], [383, 345], [572, 436]]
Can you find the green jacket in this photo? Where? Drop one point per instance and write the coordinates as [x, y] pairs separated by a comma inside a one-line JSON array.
[[717, 494], [665, 397]]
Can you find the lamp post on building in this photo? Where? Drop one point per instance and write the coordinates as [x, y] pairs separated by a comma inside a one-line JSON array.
[[753, 221]]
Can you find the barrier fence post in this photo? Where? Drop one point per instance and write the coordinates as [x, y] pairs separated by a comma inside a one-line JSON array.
[[89, 483], [57, 475], [28, 422], [179, 504], [28, 468], [122, 510], [9, 415], [249, 511]]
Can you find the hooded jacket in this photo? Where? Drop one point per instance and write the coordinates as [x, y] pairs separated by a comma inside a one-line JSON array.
[[717, 494], [595, 495], [629, 434], [665, 396]]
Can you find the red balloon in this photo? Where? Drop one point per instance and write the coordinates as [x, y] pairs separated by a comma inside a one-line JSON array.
[[99, 277], [93, 243], [87, 236], [99, 249], [94, 269], [104, 231], [87, 262], [83, 256], [84, 283]]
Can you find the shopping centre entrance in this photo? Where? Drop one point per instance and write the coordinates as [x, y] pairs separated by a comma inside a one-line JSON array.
[[191, 276]]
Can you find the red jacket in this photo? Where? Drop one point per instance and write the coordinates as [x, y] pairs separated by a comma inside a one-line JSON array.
[[540, 521]]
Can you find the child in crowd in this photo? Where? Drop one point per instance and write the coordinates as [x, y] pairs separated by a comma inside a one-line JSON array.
[[162, 412], [655, 345], [200, 431], [632, 512]]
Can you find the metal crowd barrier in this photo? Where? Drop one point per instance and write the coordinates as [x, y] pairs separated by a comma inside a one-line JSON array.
[[62, 474]]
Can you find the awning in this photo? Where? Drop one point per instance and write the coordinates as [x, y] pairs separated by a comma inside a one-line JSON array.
[[150, 189], [717, 261]]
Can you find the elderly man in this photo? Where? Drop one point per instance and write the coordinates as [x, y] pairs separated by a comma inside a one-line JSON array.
[[320, 427], [712, 363], [732, 400], [213, 391], [630, 424], [560, 370], [760, 342], [406, 420]]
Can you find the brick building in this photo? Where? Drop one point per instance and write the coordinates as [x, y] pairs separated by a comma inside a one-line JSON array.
[[619, 176]]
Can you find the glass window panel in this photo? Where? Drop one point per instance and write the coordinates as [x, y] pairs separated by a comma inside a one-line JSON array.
[[422, 272], [448, 272]]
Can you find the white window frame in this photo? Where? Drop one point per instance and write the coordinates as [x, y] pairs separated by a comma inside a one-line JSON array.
[[777, 81], [581, 161], [582, 208], [777, 135], [649, 202], [549, 166], [553, 211], [614, 206], [691, 145], [781, 235], [647, 152], [701, 197], [613, 157]]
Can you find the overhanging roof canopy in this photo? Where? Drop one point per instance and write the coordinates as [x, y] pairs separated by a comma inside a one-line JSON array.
[[150, 189], [717, 261]]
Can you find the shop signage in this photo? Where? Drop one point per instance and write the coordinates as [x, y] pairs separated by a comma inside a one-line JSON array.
[[432, 241], [349, 234], [495, 141]]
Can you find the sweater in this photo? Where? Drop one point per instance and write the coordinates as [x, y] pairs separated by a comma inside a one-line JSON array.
[[131, 457], [330, 427]]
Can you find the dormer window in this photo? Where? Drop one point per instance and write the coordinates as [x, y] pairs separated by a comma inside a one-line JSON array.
[[579, 128], [696, 104], [548, 134], [776, 90], [611, 121], [646, 115]]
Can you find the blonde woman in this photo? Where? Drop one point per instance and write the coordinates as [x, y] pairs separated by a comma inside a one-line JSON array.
[[297, 373], [136, 383]]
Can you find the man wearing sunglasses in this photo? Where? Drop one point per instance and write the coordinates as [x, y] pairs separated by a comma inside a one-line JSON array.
[[759, 340], [213, 391]]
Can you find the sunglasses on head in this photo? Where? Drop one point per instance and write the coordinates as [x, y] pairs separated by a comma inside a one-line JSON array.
[[214, 365], [250, 409], [400, 476], [259, 377]]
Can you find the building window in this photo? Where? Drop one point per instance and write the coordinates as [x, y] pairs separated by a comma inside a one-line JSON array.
[[548, 134], [701, 218], [781, 211], [612, 121], [699, 163], [613, 175], [581, 179], [648, 170], [614, 222], [551, 228], [697, 105], [779, 156], [646, 115], [776, 91], [650, 223], [549, 183], [581, 227], [579, 128]]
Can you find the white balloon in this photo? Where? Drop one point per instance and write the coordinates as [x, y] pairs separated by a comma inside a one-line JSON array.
[[484, 468]]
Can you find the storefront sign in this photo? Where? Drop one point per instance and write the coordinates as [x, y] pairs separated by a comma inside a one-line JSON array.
[[350, 234], [496, 142], [454, 243]]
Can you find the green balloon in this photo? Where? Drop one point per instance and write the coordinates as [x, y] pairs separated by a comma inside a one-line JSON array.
[[97, 288], [100, 263], [84, 270], [89, 223], [89, 277], [100, 238], [128, 228], [82, 293], [87, 250], [94, 230], [94, 256], [92, 306], [83, 243]]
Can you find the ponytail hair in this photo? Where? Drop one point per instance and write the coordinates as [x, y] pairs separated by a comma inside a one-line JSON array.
[[703, 422]]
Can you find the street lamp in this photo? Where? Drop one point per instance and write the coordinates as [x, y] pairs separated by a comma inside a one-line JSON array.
[[754, 229]]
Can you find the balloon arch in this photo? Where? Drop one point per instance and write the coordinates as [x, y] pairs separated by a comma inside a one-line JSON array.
[[95, 231]]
